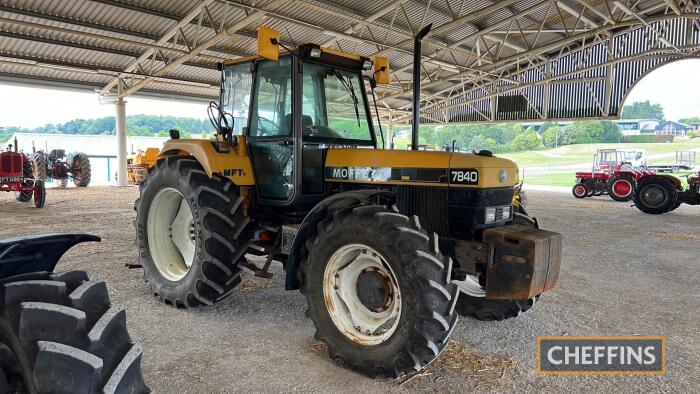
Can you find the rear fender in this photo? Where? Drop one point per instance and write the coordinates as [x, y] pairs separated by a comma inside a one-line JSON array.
[[315, 216], [37, 253], [234, 164], [676, 181]]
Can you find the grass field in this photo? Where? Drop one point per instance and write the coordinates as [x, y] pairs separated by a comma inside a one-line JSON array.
[[557, 167], [578, 154]]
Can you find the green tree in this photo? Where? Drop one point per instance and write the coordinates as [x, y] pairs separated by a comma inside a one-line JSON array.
[[551, 135], [695, 120], [643, 110], [526, 141], [611, 132]]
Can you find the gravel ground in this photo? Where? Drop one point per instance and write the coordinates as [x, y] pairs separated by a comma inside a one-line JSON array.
[[622, 273]]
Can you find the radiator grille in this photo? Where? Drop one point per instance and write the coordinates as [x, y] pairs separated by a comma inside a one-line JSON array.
[[11, 163], [428, 203]]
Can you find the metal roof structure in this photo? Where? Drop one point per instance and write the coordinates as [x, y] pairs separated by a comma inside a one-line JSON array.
[[484, 60]]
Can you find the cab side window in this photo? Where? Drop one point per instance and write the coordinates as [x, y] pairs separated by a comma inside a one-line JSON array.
[[272, 104]]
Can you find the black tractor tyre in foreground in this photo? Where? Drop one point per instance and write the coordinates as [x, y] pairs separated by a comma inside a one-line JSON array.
[[59, 332]]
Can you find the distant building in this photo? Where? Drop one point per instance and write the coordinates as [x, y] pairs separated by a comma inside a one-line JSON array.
[[673, 128], [637, 126]]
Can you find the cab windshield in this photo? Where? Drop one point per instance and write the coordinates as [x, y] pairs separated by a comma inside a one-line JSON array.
[[333, 105]]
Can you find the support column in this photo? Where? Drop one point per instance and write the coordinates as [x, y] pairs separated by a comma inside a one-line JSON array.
[[121, 142], [390, 133]]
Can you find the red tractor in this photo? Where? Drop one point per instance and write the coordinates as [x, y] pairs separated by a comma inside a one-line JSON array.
[[16, 175], [657, 194], [612, 174]]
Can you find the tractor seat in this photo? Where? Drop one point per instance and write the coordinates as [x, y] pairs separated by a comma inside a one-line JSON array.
[[306, 123]]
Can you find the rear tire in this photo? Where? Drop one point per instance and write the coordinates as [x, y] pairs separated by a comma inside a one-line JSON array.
[[202, 269], [580, 190], [59, 334], [420, 286], [27, 173], [39, 163], [656, 195], [621, 188], [480, 308], [82, 172]]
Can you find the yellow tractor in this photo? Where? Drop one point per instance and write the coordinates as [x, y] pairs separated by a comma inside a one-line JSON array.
[[387, 246], [137, 165]]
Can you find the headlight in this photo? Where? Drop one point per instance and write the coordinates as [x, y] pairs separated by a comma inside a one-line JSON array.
[[490, 215], [497, 214]]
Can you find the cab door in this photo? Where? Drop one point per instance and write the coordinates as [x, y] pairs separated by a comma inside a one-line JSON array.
[[270, 134]]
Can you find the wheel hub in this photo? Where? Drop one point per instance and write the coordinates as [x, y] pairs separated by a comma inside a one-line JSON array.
[[171, 234], [374, 289], [622, 188], [361, 294], [654, 196]]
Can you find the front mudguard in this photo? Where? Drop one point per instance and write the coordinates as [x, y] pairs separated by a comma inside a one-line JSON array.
[[315, 216], [37, 253]]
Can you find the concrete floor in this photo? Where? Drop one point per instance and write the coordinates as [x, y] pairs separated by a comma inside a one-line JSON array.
[[623, 273]]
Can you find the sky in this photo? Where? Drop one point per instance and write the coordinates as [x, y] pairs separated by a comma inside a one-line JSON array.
[[32, 107], [675, 86]]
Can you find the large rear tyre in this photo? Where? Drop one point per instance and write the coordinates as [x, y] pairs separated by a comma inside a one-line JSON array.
[[379, 291], [472, 302], [656, 195], [621, 187], [59, 334], [191, 233], [82, 172], [27, 173], [39, 165]]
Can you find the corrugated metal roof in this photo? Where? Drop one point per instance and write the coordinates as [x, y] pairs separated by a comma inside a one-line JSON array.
[[85, 43]]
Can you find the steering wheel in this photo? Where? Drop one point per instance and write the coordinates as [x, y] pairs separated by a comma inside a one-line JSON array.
[[264, 129]]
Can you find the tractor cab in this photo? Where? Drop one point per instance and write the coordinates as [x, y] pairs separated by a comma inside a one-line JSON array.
[[291, 109], [606, 160]]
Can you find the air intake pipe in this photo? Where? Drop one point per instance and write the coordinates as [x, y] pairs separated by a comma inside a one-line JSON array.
[[417, 44]]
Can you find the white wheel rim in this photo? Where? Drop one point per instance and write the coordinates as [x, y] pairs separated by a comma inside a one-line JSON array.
[[170, 232], [355, 320], [471, 286]]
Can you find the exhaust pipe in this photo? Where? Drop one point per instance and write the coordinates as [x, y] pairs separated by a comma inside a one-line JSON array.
[[417, 44]]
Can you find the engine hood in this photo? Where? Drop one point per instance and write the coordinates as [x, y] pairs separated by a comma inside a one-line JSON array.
[[422, 167]]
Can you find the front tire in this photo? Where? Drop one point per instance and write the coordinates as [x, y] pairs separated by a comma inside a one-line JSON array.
[[580, 190], [59, 334], [472, 302], [39, 193], [404, 314], [191, 233], [656, 195]]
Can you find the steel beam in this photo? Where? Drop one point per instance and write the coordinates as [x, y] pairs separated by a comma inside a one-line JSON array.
[[206, 44], [163, 39]]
